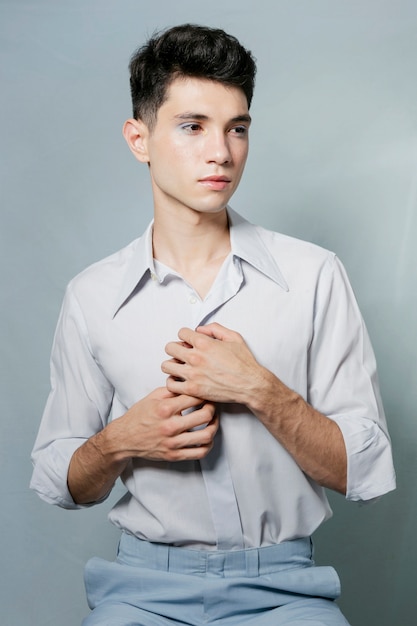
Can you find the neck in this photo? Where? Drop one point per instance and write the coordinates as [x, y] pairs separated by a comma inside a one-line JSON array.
[[194, 246]]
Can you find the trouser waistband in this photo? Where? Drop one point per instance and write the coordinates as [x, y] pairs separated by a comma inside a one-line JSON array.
[[248, 562]]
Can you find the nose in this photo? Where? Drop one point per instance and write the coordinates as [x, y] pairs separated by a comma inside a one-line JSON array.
[[217, 148]]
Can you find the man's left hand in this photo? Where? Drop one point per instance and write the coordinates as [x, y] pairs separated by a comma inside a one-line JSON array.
[[211, 362]]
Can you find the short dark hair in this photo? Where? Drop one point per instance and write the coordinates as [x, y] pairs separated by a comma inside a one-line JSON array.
[[188, 50]]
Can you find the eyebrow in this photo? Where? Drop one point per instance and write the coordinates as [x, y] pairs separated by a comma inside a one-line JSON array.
[[198, 116]]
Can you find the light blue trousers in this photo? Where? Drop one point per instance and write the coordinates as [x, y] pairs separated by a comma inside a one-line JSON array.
[[158, 585]]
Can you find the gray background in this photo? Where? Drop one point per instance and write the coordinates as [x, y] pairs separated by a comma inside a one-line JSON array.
[[333, 159]]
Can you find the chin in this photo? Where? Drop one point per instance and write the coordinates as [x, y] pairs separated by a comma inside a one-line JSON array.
[[217, 211], [218, 207]]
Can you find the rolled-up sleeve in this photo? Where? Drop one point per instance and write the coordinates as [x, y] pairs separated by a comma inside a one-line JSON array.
[[343, 385], [78, 405]]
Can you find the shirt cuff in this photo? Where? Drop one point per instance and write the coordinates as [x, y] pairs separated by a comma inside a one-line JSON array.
[[370, 468], [49, 478]]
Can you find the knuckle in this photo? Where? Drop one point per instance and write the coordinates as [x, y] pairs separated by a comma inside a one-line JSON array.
[[171, 384], [194, 359], [209, 410], [203, 451], [164, 410], [173, 455], [168, 431], [193, 389], [206, 437], [199, 342]]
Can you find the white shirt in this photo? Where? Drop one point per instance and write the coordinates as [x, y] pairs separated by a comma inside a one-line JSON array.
[[293, 304]]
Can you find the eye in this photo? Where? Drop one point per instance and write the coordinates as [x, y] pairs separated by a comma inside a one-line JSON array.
[[192, 128], [239, 130]]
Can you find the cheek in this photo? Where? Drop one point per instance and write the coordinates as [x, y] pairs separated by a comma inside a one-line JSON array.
[[243, 155], [240, 162], [182, 151], [182, 155], [172, 156], [240, 151]]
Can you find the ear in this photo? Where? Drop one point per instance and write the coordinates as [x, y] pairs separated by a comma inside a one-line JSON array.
[[136, 134]]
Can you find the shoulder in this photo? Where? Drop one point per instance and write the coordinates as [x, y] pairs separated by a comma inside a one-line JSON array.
[[310, 270], [103, 279], [283, 246], [300, 262]]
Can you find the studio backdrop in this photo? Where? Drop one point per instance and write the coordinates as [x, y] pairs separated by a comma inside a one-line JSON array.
[[333, 159]]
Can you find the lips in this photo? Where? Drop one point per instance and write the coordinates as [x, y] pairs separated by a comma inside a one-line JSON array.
[[217, 183]]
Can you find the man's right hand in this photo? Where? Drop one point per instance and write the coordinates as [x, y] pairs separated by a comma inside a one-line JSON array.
[[159, 427]]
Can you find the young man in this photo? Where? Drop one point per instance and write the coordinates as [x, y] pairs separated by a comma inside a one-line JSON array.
[[221, 370]]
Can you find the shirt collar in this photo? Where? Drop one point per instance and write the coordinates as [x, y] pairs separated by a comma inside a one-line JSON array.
[[247, 244], [139, 267], [245, 241]]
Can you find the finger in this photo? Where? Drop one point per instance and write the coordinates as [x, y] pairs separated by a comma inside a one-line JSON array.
[[195, 403], [176, 385], [217, 331], [175, 404], [178, 350], [197, 437], [188, 336], [199, 416], [162, 393], [191, 453], [174, 369]]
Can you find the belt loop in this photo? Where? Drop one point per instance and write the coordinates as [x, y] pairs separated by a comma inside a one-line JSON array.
[[162, 557], [252, 562]]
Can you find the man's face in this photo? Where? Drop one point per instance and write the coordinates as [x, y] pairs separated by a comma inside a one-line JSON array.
[[198, 147]]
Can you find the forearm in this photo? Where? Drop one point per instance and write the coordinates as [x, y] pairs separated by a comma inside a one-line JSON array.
[[215, 363], [154, 428], [94, 468], [314, 440]]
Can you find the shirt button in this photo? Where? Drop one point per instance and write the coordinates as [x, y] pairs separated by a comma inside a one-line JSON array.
[[154, 276], [192, 299]]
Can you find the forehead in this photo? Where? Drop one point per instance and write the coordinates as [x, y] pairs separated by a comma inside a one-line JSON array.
[[203, 96]]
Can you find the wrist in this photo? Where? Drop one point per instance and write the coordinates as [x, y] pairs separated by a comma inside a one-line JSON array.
[[259, 390], [109, 444], [271, 400]]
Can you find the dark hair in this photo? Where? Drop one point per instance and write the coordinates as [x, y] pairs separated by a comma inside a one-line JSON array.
[[188, 50]]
